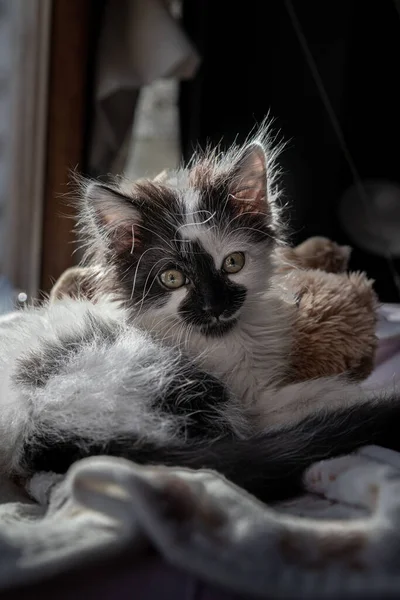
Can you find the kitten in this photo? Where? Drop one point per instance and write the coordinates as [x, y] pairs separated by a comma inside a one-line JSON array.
[[183, 357], [191, 258]]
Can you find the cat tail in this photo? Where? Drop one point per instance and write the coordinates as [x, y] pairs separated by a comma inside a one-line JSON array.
[[270, 465]]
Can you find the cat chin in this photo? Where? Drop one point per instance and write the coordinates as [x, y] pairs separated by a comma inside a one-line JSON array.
[[217, 329]]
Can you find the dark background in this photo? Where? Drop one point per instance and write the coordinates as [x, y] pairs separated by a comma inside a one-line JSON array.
[[252, 62]]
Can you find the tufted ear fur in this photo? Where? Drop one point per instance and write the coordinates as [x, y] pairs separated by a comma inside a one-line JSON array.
[[249, 182], [114, 216]]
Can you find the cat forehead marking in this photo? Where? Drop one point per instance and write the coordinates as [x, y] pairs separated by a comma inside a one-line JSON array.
[[199, 225]]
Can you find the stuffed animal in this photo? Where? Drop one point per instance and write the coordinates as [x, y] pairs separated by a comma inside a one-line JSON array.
[[335, 324], [334, 327]]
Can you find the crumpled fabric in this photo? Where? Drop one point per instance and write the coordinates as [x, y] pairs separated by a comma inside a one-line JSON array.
[[342, 537]]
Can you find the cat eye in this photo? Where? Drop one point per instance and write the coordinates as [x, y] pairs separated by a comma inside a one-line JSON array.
[[173, 279], [233, 263]]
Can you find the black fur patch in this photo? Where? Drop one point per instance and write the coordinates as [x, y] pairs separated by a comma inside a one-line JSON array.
[[211, 294], [137, 270], [35, 368], [200, 396]]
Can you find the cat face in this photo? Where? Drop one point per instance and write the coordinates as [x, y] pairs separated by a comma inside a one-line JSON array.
[[193, 247]]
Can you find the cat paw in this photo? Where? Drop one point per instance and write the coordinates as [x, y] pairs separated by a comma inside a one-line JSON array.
[[322, 475], [351, 480]]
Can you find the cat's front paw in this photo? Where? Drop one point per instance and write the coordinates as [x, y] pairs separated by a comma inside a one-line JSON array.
[[351, 480], [321, 477]]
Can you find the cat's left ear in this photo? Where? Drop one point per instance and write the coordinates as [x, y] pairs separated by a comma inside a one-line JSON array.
[[249, 181]]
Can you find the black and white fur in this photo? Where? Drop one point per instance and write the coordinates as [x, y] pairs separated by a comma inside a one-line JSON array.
[[195, 376], [234, 326]]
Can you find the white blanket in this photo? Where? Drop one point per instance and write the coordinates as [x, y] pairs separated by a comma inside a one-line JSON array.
[[342, 538]]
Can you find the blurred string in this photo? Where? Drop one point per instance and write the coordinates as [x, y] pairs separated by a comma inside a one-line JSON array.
[[338, 130]]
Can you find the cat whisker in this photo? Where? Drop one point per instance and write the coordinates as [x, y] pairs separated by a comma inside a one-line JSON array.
[[133, 240], [145, 294], [167, 331], [183, 334], [241, 215], [272, 237], [195, 223], [162, 238], [204, 210], [156, 327], [138, 264]]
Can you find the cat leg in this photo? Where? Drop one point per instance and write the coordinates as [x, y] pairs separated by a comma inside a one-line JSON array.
[[296, 401]]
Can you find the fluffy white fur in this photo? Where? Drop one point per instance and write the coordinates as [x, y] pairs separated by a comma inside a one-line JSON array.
[[107, 390], [102, 391]]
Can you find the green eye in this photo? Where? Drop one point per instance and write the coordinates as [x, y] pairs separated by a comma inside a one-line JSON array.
[[173, 279], [233, 263]]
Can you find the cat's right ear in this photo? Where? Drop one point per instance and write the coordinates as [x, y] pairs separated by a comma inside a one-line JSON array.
[[249, 180], [115, 217]]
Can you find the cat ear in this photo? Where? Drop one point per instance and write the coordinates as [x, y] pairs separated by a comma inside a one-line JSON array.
[[115, 217], [249, 187]]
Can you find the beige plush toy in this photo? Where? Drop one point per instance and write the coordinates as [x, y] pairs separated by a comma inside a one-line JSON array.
[[334, 329]]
